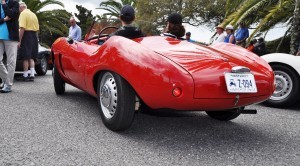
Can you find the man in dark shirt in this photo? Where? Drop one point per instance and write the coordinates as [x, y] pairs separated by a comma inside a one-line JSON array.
[[127, 30]]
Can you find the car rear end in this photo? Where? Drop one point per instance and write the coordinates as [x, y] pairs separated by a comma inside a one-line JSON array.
[[222, 79]]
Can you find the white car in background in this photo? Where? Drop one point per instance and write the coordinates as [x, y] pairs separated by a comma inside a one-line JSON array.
[[287, 74]]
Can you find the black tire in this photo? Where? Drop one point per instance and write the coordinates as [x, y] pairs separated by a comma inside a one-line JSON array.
[[42, 67], [223, 115], [287, 87], [59, 83], [116, 100]]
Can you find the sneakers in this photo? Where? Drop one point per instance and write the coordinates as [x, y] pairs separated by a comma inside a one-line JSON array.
[[26, 79], [6, 89]]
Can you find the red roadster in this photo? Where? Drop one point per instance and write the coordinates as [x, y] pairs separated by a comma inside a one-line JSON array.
[[161, 72]]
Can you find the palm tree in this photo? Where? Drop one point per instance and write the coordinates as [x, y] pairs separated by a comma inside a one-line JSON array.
[[295, 29], [265, 14], [51, 21], [113, 7]]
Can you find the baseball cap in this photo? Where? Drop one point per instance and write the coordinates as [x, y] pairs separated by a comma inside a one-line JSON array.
[[188, 34], [127, 11], [175, 18]]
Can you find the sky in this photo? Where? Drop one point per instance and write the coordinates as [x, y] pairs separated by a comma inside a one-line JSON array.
[[200, 33]]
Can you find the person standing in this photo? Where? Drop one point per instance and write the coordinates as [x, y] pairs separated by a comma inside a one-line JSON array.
[[75, 30], [188, 37], [260, 47], [241, 35], [230, 37], [9, 37], [29, 26], [251, 45], [220, 36]]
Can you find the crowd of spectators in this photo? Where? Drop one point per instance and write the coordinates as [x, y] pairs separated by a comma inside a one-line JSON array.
[[239, 37]]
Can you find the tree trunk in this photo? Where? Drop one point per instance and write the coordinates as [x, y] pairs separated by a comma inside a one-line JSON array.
[[282, 39], [295, 30]]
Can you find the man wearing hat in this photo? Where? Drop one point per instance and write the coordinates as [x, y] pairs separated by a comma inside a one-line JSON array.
[[220, 36], [229, 38], [174, 27], [127, 30]]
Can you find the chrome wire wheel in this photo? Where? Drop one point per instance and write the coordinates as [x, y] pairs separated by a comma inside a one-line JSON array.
[[108, 95], [284, 86]]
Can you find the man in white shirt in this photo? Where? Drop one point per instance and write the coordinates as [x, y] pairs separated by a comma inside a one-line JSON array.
[[220, 36], [75, 30]]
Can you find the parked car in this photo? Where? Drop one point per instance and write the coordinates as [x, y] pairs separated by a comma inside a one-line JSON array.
[[287, 75], [161, 72], [42, 63]]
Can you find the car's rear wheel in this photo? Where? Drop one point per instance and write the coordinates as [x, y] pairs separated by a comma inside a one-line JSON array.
[[287, 87], [59, 83], [42, 67], [116, 100], [224, 115]]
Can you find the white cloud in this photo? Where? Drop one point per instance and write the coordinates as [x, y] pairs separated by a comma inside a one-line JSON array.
[[70, 6]]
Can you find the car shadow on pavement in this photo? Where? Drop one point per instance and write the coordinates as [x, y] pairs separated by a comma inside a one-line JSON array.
[[195, 130], [177, 130], [80, 101], [296, 107]]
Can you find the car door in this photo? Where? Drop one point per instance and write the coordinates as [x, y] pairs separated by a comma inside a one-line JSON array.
[[74, 62]]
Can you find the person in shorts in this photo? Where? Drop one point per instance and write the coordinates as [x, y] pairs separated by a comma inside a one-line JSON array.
[[29, 26]]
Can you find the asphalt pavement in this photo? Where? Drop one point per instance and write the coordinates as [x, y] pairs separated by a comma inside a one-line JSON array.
[[37, 127]]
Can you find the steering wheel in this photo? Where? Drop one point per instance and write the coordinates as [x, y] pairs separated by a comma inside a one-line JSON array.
[[104, 29]]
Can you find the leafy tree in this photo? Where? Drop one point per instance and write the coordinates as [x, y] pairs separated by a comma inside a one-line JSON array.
[[295, 29], [48, 38], [85, 17], [152, 15], [46, 17]]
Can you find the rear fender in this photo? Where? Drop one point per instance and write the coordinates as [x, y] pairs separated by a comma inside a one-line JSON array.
[[151, 75]]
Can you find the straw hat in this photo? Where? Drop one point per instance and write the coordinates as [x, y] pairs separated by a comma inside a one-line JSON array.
[[220, 27]]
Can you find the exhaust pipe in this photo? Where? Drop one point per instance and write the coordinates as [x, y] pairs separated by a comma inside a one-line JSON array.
[[248, 111], [242, 110]]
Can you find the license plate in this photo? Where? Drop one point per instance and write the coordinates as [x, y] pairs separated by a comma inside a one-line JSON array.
[[240, 83]]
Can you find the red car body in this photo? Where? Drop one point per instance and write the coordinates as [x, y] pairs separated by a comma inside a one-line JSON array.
[[155, 66]]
